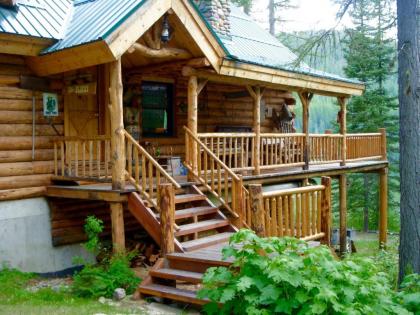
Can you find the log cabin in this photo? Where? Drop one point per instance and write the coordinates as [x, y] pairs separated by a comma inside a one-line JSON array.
[[172, 116]]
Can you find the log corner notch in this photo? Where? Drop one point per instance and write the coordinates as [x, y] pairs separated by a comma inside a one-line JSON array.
[[256, 93], [305, 99], [117, 153]]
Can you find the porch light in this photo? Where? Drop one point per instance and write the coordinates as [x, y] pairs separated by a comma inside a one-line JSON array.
[[166, 30]]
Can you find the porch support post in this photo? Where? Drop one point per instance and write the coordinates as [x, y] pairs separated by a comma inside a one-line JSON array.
[[167, 215], [256, 94], [257, 210], [343, 213], [383, 207], [117, 152], [305, 99], [343, 128], [192, 120]]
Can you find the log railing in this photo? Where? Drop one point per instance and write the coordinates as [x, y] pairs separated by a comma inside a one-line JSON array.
[[85, 158], [325, 148], [303, 212], [144, 172], [278, 150], [215, 175], [233, 149], [366, 146]]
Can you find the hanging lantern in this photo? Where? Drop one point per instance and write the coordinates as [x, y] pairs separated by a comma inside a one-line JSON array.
[[166, 30]]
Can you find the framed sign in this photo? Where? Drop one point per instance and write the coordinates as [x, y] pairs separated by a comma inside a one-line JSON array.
[[50, 101]]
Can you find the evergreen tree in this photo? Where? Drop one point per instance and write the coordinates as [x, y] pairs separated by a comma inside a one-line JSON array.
[[370, 57], [244, 4]]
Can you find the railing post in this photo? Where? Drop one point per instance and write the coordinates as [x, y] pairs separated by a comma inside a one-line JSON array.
[[383, 207], [167, 218], [343, 128], [383, 144], [343, 213], [257, 209], [256, 93], [305, 99], [326, 210], [240, 202]]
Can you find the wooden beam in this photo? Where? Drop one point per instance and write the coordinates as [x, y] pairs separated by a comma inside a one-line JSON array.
[[383, 207], [343, 128], [164, 52], [326, 210], [117, 126], [256, 93], [305, 98], [343, 213], [193, 117], [117, 222], [167, 218], [257, 209], [23, 45], [199, 63], [383, 144], [289, 80], [22, 193]]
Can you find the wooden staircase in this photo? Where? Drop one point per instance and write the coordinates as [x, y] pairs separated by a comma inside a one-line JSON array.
[[199, 223]]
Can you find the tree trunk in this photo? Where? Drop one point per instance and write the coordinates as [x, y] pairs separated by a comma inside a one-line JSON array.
[[409, 91], [272, 17]]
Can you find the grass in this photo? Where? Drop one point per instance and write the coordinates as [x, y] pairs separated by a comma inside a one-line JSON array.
[[16, 299]]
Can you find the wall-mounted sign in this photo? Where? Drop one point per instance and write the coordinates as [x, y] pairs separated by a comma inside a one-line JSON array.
[[88, 88], [50, 101]]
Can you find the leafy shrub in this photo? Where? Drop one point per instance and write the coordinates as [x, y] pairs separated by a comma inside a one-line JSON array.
[[409, 296], [111, 273], [285, 276]]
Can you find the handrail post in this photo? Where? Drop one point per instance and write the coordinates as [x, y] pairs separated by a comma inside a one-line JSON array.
[[343, 128], [257, 209], [326, 210], [167, 218], [383, 143], [240, 202]]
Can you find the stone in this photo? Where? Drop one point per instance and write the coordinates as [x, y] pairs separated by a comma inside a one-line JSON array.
[[102, 300], [119, 294]]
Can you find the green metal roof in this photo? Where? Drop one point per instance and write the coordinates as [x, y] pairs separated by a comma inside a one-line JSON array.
[[77, 22]]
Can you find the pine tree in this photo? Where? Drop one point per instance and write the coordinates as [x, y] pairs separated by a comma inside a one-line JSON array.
[[370, 57], [246, 5]]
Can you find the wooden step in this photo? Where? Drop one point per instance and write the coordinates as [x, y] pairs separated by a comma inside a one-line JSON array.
[[171, 293], [206, 241], [176, 274], [184, 198], [195, 211], [201, 226]]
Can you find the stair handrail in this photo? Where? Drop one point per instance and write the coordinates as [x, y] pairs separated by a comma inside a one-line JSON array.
[[237, 200], [145, 184]]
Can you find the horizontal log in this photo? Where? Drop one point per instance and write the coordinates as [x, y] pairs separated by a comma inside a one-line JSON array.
[[26, 130], [11, 59], [25, 143], [26, 155], [17, 93], [13, 69], [22, 193], [25, 117], [24, 104], [6, 79], [26, 168], [14, 182]]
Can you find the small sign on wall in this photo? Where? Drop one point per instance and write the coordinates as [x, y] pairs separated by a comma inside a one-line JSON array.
[[50, 101]]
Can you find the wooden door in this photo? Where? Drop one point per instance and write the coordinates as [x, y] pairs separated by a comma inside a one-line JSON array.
[[81, 115]]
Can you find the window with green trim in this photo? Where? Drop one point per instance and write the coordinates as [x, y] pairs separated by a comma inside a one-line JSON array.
[[157, 109]]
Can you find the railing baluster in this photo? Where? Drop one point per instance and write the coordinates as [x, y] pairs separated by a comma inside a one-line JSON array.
[[76, 158], [98, 158], [298, 216], [55, 159], [291, 216], [136, 166], [273, 217], [62, 157], [84, 158], [280, 216], [90, 158]]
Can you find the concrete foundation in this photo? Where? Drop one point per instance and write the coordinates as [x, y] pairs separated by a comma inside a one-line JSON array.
[[25, 239]]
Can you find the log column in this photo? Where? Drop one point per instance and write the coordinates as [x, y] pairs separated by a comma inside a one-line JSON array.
[[117, 152], [305, 99], [193, 120], [167, 217], [257, 210], [326, 210], [343, 128], [383, 207], [256, 94], [343, 213]]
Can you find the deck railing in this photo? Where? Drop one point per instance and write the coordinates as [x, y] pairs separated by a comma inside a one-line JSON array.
[[366, 146], [83, 157], [303, 212], [215, 175], [144, 172], [284, 150]]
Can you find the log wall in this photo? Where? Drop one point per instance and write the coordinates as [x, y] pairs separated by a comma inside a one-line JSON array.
[[21, 174]]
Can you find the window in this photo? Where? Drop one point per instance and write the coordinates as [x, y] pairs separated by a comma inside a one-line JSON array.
[[157, 109]]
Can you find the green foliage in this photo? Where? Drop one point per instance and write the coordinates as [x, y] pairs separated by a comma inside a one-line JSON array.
[[285, 276], [111, 273], [409, 296], [102, 280]]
